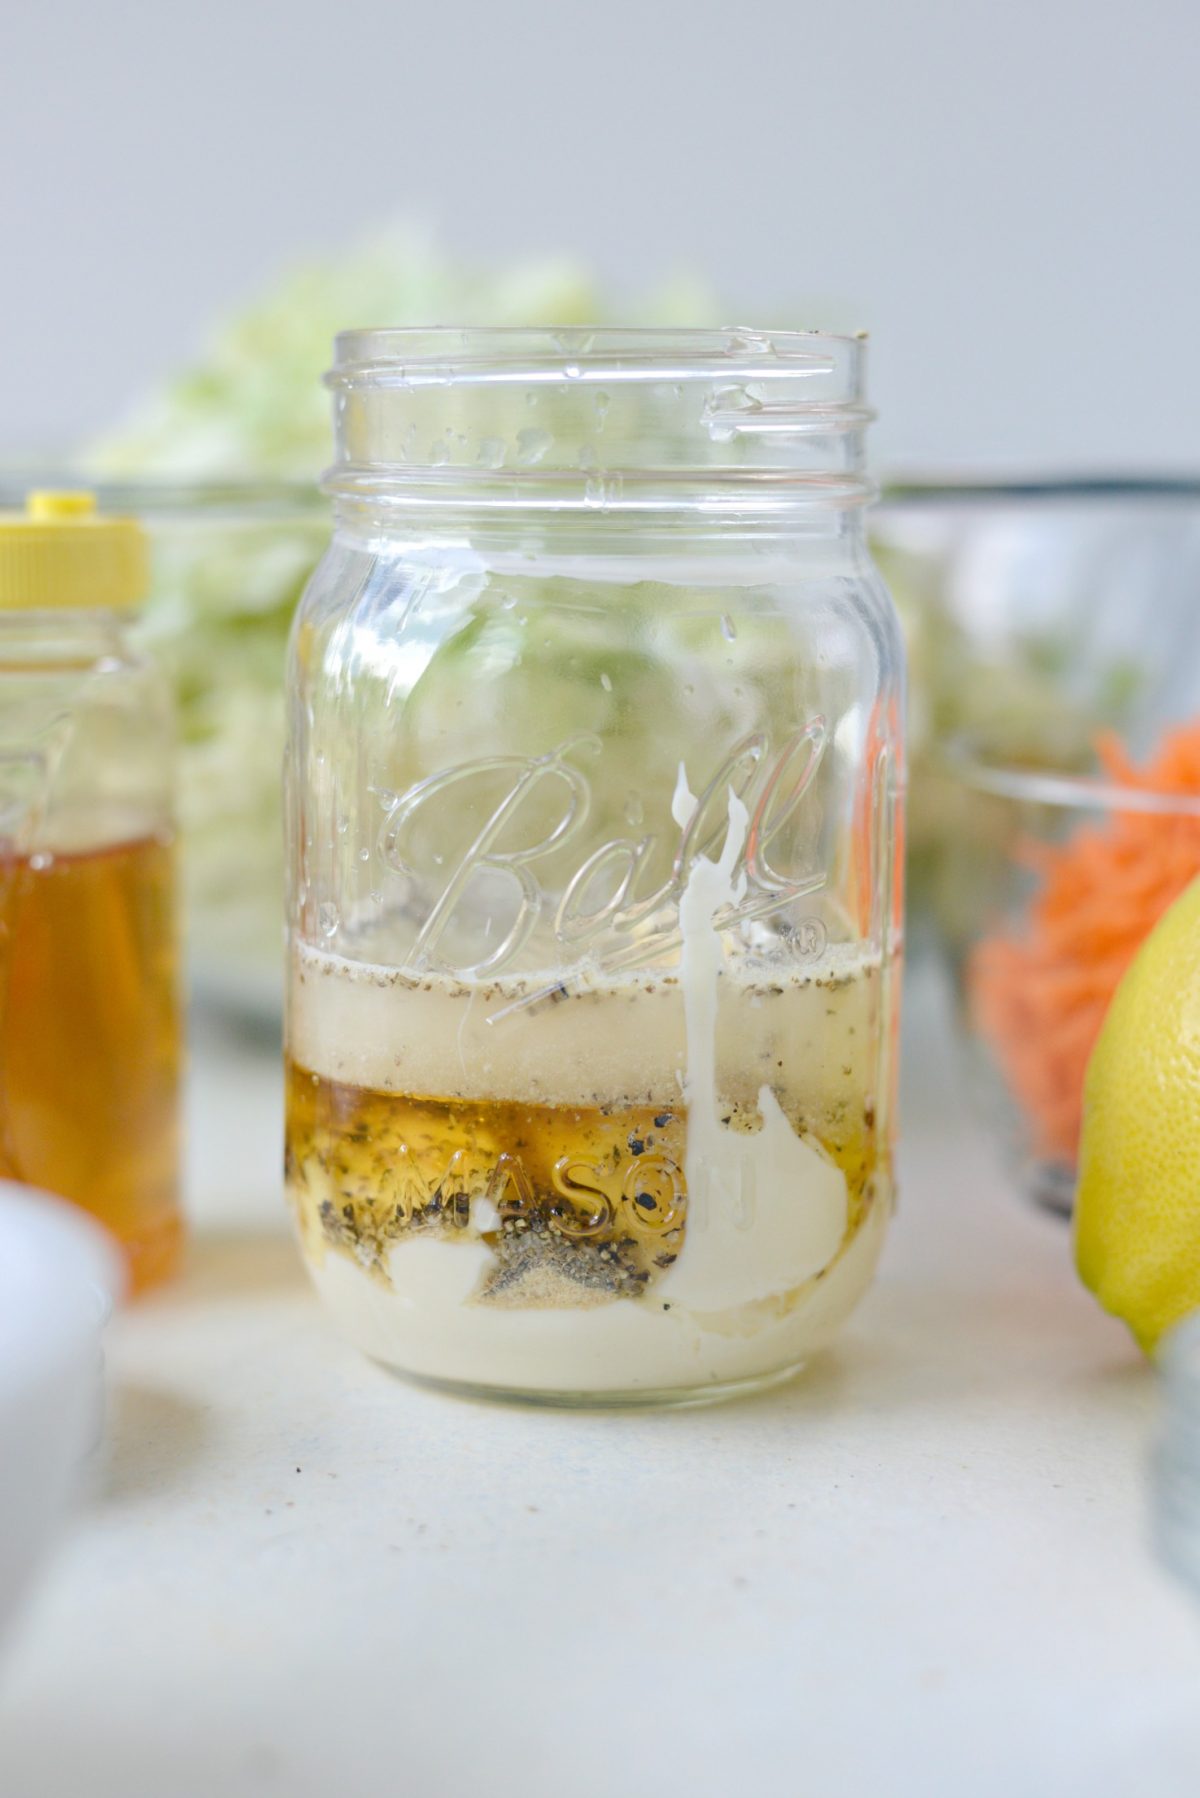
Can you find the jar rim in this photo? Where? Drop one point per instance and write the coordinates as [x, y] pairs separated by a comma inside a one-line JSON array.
[[560, 420], [461, 354]]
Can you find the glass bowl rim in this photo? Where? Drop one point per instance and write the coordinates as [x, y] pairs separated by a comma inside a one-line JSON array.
[[163, 498], [969, 767], [931, 488]]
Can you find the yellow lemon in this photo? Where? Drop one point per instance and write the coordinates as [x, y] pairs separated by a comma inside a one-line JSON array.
[[1137, 1214]]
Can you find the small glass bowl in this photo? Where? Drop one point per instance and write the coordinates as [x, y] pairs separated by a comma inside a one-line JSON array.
[[1176, 1495], [1037, 942]]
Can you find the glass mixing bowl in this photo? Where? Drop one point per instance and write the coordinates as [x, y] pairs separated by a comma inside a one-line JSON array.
[[1048, 884], [1036, 613]]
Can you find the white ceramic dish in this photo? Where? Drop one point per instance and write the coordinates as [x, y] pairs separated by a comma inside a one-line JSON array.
[[59, 1277]]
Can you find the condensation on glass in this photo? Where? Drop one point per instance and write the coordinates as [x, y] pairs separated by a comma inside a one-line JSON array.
[[593, 800]]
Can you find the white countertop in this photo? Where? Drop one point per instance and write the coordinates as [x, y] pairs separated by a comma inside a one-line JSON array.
[[921, 1569]]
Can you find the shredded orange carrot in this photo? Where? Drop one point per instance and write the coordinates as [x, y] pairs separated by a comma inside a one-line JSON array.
[[1039, 996]]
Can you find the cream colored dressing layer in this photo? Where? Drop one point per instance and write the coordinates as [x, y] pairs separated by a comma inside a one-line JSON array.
[[809, 1029], [426, 1323]]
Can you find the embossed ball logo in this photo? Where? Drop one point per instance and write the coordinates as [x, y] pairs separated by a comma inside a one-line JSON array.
[[610, 906]]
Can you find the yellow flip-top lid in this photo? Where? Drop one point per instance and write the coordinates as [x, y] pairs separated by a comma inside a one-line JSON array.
[[61, 552]]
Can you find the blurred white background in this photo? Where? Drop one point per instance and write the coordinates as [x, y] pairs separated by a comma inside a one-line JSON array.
[[1003, 195]]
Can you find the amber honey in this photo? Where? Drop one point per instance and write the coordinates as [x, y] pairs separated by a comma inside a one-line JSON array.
[[90, 1049], [586, 1202]]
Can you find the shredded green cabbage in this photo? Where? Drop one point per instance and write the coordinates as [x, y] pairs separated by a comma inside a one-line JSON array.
[[228, 571]]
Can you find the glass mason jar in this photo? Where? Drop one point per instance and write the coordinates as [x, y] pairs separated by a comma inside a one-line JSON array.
[[90, 1017], [593, 805]]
